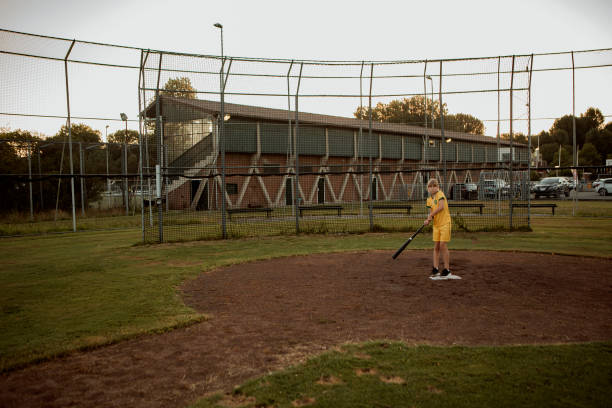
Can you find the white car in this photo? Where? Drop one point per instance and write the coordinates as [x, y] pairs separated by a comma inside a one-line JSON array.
[[603, 186]]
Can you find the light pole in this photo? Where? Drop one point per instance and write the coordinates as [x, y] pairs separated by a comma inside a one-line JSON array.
[[220, 26], [125, 180], [221, 136]]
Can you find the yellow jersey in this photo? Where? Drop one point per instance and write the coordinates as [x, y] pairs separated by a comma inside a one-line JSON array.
[[443, 217]]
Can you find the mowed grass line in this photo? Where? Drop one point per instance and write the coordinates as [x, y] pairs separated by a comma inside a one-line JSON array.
[[382, 374], [69, 292]]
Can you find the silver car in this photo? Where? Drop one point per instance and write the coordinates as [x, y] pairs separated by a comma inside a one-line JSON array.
[[603, 186]]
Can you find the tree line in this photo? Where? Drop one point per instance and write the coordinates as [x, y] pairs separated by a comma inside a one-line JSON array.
[[593, 137], [50, 155]]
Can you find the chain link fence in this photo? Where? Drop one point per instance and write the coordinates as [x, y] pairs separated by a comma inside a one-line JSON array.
[[213, 147]]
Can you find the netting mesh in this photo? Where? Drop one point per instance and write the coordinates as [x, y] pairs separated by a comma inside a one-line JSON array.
[[224, 147]]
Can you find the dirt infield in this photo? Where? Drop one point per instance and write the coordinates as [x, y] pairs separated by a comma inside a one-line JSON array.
[[269, 314]]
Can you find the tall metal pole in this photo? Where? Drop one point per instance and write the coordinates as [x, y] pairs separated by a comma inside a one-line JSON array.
[[574, 151], [511, 139], [140, 155], [70, 136], [81, 171], [222, 146], [528, 187], [297, 153], [370, 142], [289, 138], [444, 185], [573, 110], [42, 204], [498, 110], [108, 188], [425, 138], [222, 136], [30, 180], [158, 166], [360, 141], [125, 171]]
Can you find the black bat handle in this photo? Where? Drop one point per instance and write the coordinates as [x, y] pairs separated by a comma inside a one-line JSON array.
[[399, 251]]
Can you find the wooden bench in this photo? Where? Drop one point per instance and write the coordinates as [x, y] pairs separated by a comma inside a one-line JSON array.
[[465, 205], [522, 205], [407, 207], [231, 211], [321, 207]]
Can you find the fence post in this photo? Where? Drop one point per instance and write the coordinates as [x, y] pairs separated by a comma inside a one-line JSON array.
[[158, 169], [574, 152], [70, 136], [289, 138], [81, 156], [442, 138], [140, 76], [528, 187], [360, 141], [222, 146], [42, 204], [30, 180], [370, 212], [297, 153], [511, 139]]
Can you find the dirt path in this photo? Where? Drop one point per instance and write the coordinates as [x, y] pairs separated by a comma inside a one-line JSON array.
[[268, 314]]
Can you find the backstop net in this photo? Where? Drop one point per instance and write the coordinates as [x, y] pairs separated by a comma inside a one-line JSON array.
[[242, 147]]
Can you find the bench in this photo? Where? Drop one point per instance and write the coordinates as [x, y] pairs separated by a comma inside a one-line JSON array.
[[465, 205], [303, 208], [231, 211], [522, 205], [407, 207]]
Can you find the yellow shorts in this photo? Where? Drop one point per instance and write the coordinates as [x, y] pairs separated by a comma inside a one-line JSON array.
[[442, 233]]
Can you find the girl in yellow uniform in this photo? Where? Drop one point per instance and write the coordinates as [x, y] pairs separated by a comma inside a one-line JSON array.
[[438, 212]]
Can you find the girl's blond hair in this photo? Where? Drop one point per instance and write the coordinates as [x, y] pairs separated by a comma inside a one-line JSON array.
[[432, 183]]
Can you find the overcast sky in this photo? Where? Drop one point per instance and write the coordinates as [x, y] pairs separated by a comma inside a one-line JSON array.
[[326, 30], [315, 29]]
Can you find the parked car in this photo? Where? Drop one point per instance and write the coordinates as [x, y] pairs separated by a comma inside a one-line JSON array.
[[464, 191], [569, 181], [604, 187], [551, 187], [491, 189], [599, 183]]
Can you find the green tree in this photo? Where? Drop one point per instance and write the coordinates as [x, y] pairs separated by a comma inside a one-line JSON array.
[[410, 111], [592, 118], [589, 155], [180, 88], [120, 137], [547, 152], [516, 137], [462, 122], [14, 150], [601, 140], [80, 132], [413, 111]]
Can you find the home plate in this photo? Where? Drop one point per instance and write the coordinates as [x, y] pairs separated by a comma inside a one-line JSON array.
[[447, 277]]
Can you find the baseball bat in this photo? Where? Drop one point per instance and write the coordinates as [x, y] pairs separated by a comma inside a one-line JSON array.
[[399, 251]]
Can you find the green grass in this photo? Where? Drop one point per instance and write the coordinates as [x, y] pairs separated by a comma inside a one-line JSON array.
[[382, 374], [66, 292], [207, 224]]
